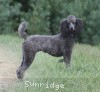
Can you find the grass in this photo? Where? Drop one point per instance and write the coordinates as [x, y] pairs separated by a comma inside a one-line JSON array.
[[82, 76]]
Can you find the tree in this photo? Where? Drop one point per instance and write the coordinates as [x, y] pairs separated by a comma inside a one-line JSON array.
[[44, 16], [8, 18]]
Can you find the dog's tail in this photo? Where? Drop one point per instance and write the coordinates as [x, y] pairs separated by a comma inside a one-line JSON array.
[[21, 30]]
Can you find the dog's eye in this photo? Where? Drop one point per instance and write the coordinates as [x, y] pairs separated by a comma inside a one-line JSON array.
[[73, 22], [67, 24]]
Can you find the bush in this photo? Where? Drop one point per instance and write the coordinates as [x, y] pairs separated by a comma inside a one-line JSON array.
[[44, 16]]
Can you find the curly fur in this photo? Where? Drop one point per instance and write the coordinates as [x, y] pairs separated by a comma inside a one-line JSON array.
[[57, 45]]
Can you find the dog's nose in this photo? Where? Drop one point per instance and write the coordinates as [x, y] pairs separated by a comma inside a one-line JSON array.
[[71, 29]]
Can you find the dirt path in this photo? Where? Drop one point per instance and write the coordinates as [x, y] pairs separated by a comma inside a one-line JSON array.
[[7, 68]]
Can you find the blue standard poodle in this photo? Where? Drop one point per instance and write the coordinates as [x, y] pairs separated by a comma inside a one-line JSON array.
[[57, 45]]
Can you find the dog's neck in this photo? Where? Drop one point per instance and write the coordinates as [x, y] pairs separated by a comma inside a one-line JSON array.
[[68, 36]]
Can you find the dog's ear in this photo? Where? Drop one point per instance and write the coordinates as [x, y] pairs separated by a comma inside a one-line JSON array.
[[64, 27], [79, 26]]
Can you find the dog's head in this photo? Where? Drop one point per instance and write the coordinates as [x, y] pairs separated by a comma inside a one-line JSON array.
[[71, 26], [71, 22]]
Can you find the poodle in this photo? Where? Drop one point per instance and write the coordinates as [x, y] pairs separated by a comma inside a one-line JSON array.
[[57, 45]]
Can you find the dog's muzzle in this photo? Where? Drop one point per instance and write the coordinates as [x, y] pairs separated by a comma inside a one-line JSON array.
[[71, 26]]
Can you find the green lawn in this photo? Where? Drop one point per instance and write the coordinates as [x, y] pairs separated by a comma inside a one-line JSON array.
[[82, 76]]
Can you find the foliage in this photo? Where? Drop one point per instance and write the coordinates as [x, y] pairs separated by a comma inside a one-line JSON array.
[[9, 13], [44, 16]]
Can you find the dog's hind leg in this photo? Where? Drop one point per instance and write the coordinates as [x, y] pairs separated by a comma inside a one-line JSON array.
[[28, 57]]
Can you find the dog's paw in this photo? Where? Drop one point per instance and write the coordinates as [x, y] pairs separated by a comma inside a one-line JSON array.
[[67, 65], [20, 74]]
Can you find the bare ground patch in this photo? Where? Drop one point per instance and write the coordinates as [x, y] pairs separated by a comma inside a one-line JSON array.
[[8, 68]]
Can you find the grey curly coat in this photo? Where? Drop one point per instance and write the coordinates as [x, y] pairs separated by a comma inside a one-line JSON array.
[[57, 45]]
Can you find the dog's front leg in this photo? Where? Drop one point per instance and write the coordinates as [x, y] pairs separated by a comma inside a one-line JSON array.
[[67, 57]]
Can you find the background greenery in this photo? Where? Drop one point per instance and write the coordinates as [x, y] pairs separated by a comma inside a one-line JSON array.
[[44, 16]]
